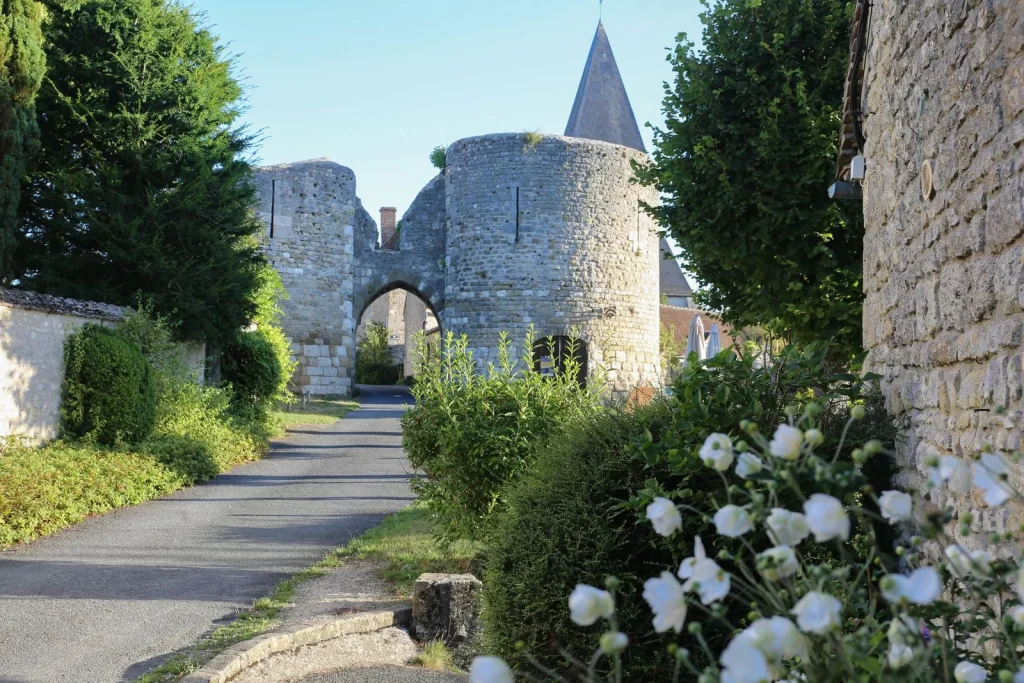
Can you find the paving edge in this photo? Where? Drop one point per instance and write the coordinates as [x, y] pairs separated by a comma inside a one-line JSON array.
[[241, 656]]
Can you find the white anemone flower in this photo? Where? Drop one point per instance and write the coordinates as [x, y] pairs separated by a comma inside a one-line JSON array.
[[743, 662], [953, 473], [614, 642], [787, 528], [667, 601], [786, 442], [826, 518], [922, 587], [896, 506], [964, 563], [899, 655], [704, 575], [817, 613], [988, 476], [747, 465], [778, 563], [717, 452], [588, 604], [664, 516], [490, 670], [778, 639], [733, 521], [969, 672]]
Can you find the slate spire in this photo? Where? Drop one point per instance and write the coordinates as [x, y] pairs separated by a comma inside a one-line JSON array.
[[602, 110]]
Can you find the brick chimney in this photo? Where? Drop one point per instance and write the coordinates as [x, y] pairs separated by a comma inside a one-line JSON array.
[[388, 233]]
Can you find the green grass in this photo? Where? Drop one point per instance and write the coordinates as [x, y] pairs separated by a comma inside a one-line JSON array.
[[318, 412], [406, 545], [436, 656]]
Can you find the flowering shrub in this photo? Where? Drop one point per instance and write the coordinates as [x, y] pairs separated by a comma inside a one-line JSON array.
[[833, 616], [475, 433]]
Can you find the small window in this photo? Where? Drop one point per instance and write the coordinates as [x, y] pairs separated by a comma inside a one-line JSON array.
[[553, 355], [678, 301]]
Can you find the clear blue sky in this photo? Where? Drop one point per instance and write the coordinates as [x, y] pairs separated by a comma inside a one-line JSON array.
[[376, 84]]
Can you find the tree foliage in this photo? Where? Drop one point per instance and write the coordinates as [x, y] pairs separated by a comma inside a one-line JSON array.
[[141, 185], [744, 160], [22, 64]]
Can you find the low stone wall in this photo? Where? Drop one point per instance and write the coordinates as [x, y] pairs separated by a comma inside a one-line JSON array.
[[33, 328]]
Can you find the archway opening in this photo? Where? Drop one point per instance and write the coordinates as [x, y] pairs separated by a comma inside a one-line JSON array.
[[388, 332]]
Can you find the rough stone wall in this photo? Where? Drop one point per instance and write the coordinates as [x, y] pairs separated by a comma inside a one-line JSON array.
[[415, 315], [315, 209], [584, 256], [944, 277]]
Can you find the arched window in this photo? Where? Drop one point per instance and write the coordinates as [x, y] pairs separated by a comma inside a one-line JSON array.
[[553, 355]]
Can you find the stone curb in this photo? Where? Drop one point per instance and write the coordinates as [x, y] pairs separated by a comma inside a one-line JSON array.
[[240, 657]]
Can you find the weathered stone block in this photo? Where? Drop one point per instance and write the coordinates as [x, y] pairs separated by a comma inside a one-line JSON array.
[[446, 607]]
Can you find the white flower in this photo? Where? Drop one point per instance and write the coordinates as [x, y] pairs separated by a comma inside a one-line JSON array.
[[826, 518], [896, 506], [748, 464], [778, 563], [665, 596], [704, 574], [743, 662], [903, 630], [963, 564], [1016, 614], [987, 477], [817, 613], [613, 642], [922, 587], [954, 473], [787, 528], [786, 442], [588, 604], [717, 452], [778, 638], [664, 516], [969, 672], [1019, 676], [490, 670], [733, 521], [900, 655]]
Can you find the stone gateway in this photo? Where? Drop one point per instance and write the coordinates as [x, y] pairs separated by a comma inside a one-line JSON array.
[[519, 230]]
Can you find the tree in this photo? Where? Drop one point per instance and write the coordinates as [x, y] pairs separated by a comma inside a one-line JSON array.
[[22, 64], [747, 152], [142, 183]]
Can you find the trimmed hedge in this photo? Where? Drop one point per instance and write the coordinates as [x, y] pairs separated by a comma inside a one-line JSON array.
[[252, 366], [109, 392]]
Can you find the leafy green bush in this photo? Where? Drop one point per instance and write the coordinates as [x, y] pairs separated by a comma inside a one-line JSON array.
[[439, 158], [252, 367], [108, 393], [474, 433], [374, 362], [578, 517]]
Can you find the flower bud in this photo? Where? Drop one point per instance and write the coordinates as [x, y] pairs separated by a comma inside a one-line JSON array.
[[682, 654], [613, 642], [612, 583], [1005, 676], [873, 447], [695, 628], [859, 456], [813, 409], [857, 412]]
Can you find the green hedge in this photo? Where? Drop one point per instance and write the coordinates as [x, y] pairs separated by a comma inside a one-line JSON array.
[[252, 366], [109, 393]]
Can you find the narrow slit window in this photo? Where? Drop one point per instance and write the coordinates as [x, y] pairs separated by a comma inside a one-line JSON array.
[[517, 214], [273, 202]]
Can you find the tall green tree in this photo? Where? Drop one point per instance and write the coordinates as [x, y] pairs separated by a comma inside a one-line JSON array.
[[141, 185], [748, 150], [22, 64]]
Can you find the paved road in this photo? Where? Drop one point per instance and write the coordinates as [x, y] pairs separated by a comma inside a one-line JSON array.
[[387, 674], [112, 597]]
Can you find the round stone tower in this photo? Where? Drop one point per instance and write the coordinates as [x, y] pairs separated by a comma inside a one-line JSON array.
[[549, 231]]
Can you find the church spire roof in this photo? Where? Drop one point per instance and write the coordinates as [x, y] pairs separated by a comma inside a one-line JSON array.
[[602, 110]]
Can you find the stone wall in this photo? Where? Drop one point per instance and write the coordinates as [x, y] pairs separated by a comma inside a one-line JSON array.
[[944, 275], [32, 332], [579, 254]]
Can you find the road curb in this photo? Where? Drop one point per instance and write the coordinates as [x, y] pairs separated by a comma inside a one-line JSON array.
[[240, 657]]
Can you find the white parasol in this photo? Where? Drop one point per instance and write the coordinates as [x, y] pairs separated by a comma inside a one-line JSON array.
[[695, 339], [714, 342]]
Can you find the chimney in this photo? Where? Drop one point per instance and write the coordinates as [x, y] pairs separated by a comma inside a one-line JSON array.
[[388, 234]]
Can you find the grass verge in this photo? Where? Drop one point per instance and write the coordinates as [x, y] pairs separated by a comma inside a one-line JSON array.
[[404, 543], [316, 412]]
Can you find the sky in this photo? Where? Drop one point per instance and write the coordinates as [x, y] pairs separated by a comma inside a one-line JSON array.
[[375, 85]]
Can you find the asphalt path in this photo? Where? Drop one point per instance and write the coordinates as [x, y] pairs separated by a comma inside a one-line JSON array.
[[386, 674], [114, 596]]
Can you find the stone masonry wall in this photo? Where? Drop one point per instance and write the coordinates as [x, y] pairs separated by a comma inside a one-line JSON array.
[[315, 205], [944, 276], [584, 256]]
